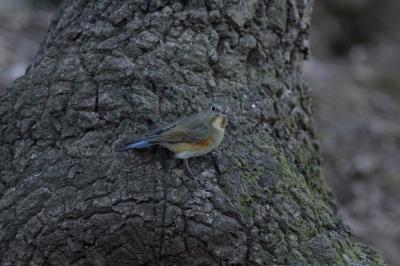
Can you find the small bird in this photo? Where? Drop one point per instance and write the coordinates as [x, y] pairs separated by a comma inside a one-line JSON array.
[[191, 136]]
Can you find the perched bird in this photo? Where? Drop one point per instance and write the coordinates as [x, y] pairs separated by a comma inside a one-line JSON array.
[[191, 136]]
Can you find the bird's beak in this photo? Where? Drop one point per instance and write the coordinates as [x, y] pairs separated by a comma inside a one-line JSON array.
[[225, 111]]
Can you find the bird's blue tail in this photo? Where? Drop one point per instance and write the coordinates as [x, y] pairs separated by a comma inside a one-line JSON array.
[[138, 144]]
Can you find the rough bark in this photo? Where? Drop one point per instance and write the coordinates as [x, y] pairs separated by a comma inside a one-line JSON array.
[[110, 70]]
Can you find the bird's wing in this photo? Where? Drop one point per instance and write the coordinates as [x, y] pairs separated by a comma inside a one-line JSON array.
[[188, 129], [183, 135], [162, 128]]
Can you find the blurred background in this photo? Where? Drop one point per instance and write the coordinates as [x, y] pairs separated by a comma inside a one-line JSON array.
[[23, 25], [354, 71]]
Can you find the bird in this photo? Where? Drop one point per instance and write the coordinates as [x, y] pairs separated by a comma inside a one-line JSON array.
[[192, 136]]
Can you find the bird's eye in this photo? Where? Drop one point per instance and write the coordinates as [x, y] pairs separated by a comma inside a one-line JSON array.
[[213, 108]]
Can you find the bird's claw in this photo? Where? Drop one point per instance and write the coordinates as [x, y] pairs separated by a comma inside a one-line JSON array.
[[198, 186]]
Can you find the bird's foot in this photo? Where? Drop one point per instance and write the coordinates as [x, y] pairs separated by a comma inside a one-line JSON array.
[[198, 185]]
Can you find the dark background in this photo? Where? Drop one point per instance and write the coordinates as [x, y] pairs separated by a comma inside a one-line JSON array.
[[354, 73]]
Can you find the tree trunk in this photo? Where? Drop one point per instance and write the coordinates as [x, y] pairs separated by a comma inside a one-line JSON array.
[[112, 70]]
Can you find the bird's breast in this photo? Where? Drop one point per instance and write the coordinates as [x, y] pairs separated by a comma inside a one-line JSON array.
[[185, 150], [220, 122]]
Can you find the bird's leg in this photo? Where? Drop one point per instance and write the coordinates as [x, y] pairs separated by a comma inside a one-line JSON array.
[[192, 175]]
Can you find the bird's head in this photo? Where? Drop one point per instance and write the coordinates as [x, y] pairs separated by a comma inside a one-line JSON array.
[[216, 115]]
